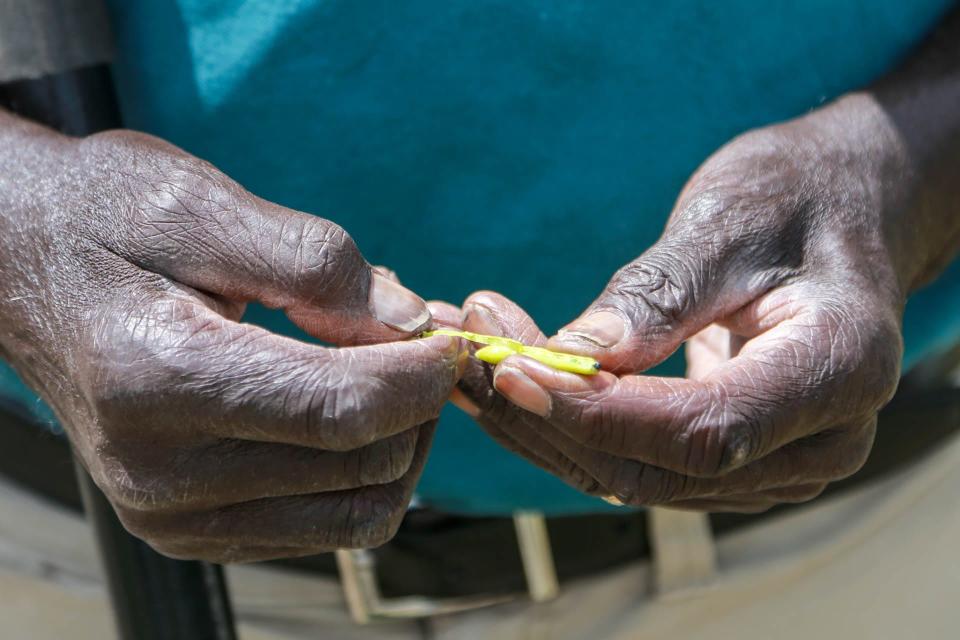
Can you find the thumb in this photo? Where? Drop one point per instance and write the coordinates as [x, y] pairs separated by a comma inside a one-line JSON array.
[[307, 266], [652, 305]]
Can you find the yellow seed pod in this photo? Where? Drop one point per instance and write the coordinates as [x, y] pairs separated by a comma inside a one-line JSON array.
[[480, 338], [494, 354], [498, 349], [583, 365]]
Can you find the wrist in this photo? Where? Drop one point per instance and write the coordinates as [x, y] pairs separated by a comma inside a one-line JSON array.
[[913, 212], [32, 164]]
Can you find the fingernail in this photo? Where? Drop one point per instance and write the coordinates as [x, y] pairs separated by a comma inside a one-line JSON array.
[[396, 306], [612, 500], [447, 345], [481, 321], [444, 314], [602, 328], [521, 390]]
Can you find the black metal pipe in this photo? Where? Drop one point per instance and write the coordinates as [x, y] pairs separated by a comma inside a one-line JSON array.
[[153, 597]]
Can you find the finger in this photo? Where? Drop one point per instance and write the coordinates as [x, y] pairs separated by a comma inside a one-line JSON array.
[[220, 474], [358, 518], [503, 422], [821, 459], [445, 314], [545, 448], [752, 503], [492, 314], [721, 506], [780, 387], [203, 230], [230, 554], [176, 363], [514, 429], [519, 431], [524, 442], [710, 348], [846, 448], [650, 306], [487, 311]]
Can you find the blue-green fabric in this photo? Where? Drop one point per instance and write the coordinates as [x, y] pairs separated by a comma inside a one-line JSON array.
[[525, 146]]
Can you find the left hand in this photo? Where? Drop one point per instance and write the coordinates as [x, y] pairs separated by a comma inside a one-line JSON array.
[[785, 268]]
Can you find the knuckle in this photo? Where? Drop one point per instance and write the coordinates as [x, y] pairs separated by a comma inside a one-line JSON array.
[[330, 259], [661, 290], [131, 488], [367, 528], [734, 444], [861, 352], [137, 362], [186, 195], [640, 485], [719, 442], [337, 414], [186, 206], [346, 412]]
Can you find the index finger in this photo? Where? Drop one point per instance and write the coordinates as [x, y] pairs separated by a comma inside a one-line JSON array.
[[177, 360], [772, 393]]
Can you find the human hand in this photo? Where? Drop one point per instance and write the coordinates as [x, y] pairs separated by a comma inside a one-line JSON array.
[[785, 265], [127, 264]]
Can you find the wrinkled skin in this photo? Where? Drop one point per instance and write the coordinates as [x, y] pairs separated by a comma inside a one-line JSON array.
[[785, 266], [127, 265]]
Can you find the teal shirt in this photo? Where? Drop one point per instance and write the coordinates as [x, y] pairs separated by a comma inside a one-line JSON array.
[[473, 144]]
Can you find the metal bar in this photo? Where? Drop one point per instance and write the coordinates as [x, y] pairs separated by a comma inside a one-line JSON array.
[[358, 576], [154, 597]]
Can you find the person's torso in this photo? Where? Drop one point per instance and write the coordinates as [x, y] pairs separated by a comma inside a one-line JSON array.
[[529, 147]]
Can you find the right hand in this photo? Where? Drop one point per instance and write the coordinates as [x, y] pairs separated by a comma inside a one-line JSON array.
[[126, 266]]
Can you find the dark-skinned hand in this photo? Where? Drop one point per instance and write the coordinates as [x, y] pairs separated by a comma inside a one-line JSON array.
[[785, 267], [127, 264]]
